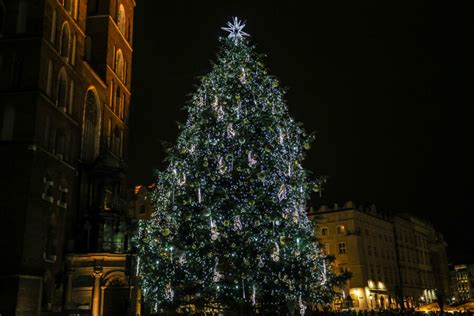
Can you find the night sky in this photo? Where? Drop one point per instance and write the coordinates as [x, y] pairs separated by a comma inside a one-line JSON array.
[[387, 89]]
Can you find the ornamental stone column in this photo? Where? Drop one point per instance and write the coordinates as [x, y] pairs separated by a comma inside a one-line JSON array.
[[96, 293]]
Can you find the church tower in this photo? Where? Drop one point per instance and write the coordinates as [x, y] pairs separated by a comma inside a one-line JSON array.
[[65, 86]]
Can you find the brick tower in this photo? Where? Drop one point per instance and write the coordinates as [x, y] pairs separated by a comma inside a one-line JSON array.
[[65, 82]]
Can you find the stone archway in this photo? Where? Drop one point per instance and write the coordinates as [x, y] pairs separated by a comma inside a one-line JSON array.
[[116, 296]]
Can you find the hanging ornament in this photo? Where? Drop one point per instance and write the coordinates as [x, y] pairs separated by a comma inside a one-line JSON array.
[[237, 223], [239, 106], [243, 288], [221, 166], [216, 276], [276, 253], [281, 136], [243, 77], [182, 259], [215, 103], [199, 195], [289, 170], [214, 231], [285, 213], [260, 261], [253, 294], [251, 160], [182, 180], [192, 149], [230, 131], [200, 101], [296, 217], [324, 271], [169, 293], [282, 193], [302, 306]]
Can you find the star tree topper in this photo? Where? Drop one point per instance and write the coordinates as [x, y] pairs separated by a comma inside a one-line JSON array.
[[235, 29]]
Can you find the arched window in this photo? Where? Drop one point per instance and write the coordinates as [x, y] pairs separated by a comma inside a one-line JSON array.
[[119, 64], [71, 97], [64, 44], [54, 23], [74, 9], [118, 98], [68, 5], [2, 18], [121, 19], [109, 133], [74, 49], [88, 48], [59, 144], [22, 17], [90, 136], [61, 95], [122, 105], [8, 122], [49, 80]]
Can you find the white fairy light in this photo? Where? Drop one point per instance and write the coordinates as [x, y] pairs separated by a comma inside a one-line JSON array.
[[199, 195]]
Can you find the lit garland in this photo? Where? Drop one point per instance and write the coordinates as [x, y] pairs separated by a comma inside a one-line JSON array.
[[245, 231]]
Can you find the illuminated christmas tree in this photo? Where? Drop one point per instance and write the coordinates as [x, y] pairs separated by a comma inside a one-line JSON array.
[[230, 226]]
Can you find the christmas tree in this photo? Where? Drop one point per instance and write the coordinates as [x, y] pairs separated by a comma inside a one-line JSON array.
[[230, 226]]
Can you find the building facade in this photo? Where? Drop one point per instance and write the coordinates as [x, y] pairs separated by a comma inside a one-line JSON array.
[[395, 261], [462, 282], [65, 85]]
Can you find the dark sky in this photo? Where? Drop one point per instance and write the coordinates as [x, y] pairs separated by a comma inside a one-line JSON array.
[[388, 90]]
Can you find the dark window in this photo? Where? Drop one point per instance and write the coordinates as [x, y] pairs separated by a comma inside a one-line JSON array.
[[61, 100], [2, 17], [8, 123], [91, 126], [64, 49]]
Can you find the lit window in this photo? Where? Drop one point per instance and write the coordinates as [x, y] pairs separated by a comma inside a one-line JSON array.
[[47, 189], [340, 229], [119, 65], [121, 20], [326, 249], [342, 247], [324, 231]]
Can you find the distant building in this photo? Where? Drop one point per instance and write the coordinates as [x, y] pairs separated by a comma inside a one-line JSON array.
[[462, 282], [394, 260], [141, 206], [65, 86]]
